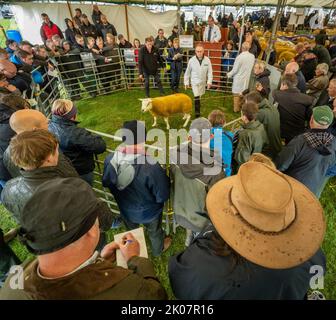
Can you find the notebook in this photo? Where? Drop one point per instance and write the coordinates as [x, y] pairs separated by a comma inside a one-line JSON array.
[[140, 236]]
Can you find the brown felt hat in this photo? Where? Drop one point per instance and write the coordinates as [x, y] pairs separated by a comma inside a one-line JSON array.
[[267, 217]]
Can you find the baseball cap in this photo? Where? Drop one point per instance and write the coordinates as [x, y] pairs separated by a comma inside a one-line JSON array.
[[200, 130], [59, 213], [323, 115]]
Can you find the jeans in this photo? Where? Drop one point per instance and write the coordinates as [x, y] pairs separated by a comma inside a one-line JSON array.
[[197, 107], [175, 78], [156, 79], [88, 177], [319, 192], [154, 230]]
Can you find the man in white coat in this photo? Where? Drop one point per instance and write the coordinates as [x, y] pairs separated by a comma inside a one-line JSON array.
[[199, 74], [212, 32], [241, 73]]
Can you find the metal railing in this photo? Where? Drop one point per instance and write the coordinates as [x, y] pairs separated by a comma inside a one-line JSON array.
[[85, 75], [106, 196]]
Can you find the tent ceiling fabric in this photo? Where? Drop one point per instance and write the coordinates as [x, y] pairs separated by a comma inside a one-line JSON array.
[[294, 3]]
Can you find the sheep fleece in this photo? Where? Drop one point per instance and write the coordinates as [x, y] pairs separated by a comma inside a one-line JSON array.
[[172, 104]]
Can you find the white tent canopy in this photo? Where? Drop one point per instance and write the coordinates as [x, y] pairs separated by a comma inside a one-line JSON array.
[[141, 22]]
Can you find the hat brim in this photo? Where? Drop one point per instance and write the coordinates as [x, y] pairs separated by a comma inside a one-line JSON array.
[[289, 248]]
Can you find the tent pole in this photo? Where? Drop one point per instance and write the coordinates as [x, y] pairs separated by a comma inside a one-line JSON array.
[[70, 11], [274, 29], [178, 16], [127, 27], [242, 27]]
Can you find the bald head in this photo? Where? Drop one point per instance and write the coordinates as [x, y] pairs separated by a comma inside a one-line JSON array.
[[27, 120], [292, 68]]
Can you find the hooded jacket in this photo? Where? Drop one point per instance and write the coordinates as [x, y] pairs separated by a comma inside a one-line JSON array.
[[252, 138], [9, 103], [307, 157], [269, 116], [263, 78], [138, 183], [194, 173]]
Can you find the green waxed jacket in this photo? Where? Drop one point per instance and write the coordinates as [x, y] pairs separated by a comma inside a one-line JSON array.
[[101, 280], [252, 138], [269, 116]]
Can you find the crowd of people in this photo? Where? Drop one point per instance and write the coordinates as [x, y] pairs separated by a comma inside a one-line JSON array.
[[248, 234]]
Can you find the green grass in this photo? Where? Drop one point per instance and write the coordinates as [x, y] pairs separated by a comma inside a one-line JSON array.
[[107, 113]]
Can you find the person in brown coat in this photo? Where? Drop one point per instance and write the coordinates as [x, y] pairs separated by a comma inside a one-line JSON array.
[[64, 240], [320, 82]]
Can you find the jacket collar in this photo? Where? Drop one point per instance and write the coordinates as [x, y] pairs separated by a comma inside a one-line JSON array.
[[251, 125], [59, 119], [41, 173]]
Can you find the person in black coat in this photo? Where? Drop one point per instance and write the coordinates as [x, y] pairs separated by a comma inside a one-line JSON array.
[[149, 62], [293, 68], [328, 95], [235, 259], [96, 16], [71, 31], [88, 29], [262, 81], [78, 144], [308, 156], [106, 27], [294, 107], [10, 101]]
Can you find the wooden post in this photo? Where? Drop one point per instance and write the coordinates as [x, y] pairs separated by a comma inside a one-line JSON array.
[[274, 29], [179, 16], [242, 27], [70, 10], [127, 27]]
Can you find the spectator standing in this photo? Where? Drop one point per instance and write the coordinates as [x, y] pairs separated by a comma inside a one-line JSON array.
[[199, 75], [71, 32], [67, 257], [261, 81], [77, 19], [195, 169], [319, 83], [175, 57], [96, 16], [78, 144], [197, 33], [149, 63], [222, 139], [229, 56], [293, 68], [241, 73], [160, 41], [106, 27], [88, 29], [328, 96], [294, 107], [309, 155], [175, 34], [255, 48], [136, 46], [139, 185], [11, 46], [268, 115], [48, 28], [275, 262], [10, 101], [252, 137], [212, 32], [321, 53]]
